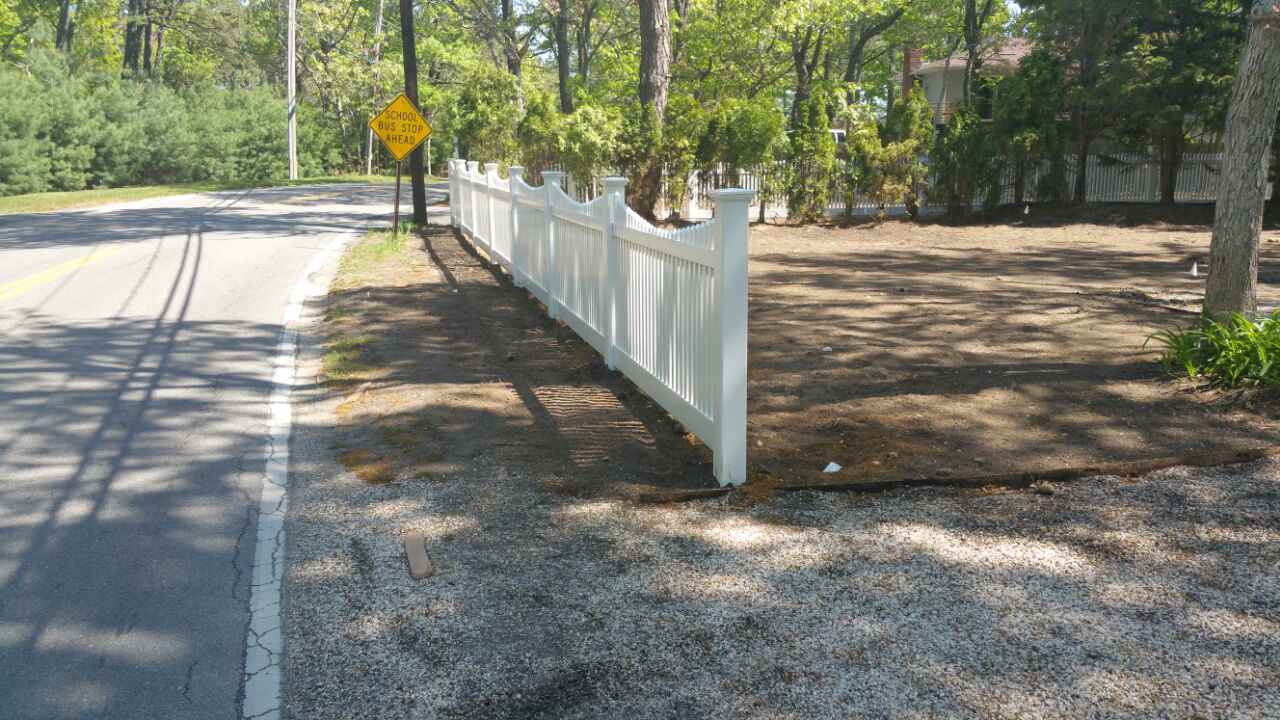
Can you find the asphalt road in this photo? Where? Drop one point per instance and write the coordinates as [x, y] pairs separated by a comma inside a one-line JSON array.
[[136, 343]]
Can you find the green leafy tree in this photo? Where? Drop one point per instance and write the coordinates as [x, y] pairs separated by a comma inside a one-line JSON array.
[[1028, 124], [1177, 78], [1084, 35]]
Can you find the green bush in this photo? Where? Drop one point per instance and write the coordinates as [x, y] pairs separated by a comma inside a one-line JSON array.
[[591, 141], [813, 162], [1238, 353], [64, 131], [685, 122], [541, 133], [742, 134], [966, 164], [886, 164]]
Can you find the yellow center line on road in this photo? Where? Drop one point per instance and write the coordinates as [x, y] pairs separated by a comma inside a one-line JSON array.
[[23, 285]]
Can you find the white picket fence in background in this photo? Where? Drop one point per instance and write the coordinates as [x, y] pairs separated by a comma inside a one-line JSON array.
[[666, 307], [1112, 178]]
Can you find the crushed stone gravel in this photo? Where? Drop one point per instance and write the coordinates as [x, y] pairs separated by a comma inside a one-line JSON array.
[[1109, 598]]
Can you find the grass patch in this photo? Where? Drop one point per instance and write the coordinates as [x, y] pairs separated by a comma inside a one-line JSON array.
[[368, 467], [1241, 352], [345, 358], [365, 256], [47, 201]]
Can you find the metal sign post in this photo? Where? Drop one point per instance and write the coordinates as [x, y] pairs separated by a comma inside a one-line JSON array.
[[395, 223], [401, 128]]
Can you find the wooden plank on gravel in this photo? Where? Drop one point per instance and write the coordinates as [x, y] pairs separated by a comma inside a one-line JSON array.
[[1129, 468], [415, 548]]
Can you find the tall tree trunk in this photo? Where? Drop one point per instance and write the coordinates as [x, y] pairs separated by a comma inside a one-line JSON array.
[[806, 67], [1251, 124], [511, 50], [655, 77], [681, 9], [169, 13], [63, 41], [890, 91], [589, 8], [133, 37], [859, 36], [410, 45], [1171, 147], [1080, 192], [563, 59], [974, 20], [146, 40]]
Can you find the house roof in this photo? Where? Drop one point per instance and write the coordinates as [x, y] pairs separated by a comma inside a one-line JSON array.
[[1003, 58]]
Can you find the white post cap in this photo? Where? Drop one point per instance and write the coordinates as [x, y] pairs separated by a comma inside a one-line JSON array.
[[733, 195]]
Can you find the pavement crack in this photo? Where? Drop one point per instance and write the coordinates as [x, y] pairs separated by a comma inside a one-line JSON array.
[[237, 573], [186, 687]]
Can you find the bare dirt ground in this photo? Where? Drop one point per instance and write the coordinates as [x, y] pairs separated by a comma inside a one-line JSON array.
[[903, 350], [451, 362]]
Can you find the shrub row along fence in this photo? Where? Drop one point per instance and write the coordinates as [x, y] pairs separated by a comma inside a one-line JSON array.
[[1111, 178], [666, 307]]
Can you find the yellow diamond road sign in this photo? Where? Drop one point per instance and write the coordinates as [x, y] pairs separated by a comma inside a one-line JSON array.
[[400, 127]]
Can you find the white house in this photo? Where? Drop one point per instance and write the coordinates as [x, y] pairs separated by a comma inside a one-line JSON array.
[[943, 80]]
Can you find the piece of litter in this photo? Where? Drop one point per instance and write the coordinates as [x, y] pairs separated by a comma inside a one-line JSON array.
[[1195, 269], [826, 348], [832, 468], [1026, 210]]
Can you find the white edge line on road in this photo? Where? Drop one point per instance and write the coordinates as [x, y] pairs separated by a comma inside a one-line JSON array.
[[264, 642]]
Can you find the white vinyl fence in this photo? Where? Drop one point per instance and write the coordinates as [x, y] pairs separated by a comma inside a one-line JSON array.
[[666, 307]]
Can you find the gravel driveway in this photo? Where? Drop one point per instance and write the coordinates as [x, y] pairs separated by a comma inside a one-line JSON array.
[[1108, 598]]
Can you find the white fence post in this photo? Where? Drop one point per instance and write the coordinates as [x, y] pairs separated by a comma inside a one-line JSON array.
[[490, 172], [732, 232], [453, 194], [551, 178], [515, 173], [473, 169], [613, 192]]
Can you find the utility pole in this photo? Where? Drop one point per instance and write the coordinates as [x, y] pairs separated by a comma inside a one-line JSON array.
[[377, 55], [411, 90], [291, 71]]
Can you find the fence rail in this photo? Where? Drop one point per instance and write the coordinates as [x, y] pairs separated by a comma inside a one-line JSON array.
[[668, 308]]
